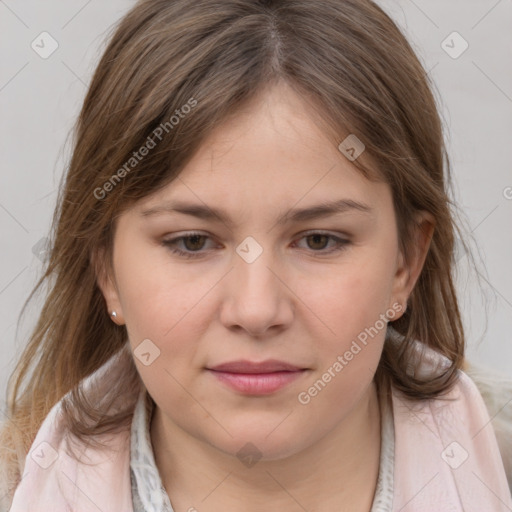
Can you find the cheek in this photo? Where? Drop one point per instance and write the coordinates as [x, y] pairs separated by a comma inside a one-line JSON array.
[[349, 300], [169, 311], [168, 332], [353, 324], [154, 296]]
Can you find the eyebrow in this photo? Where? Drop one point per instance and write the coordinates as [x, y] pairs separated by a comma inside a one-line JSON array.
[[202, 211]]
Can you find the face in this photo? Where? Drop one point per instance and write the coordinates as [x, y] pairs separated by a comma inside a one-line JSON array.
[[260, 281]]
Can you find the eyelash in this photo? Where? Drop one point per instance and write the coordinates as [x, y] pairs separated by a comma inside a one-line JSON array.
[[171, 243]]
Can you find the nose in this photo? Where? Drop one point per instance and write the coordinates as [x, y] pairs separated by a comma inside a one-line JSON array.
[[256, 297]]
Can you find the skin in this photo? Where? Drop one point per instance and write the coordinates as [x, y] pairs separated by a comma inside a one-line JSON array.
[[296, 302]]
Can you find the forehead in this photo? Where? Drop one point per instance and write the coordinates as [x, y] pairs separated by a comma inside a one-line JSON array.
[[270, 155]]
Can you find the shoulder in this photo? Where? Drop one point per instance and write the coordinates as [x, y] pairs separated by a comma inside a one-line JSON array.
[[496, 391], [62, 470]]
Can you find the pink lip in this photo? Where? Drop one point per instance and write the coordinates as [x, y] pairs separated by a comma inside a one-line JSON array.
[[244, 366], [256, 378]]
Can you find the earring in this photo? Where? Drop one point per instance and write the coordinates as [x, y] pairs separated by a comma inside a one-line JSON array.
[[114, 319]]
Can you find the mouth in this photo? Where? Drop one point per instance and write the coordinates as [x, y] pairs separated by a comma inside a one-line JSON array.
[[257, 378]]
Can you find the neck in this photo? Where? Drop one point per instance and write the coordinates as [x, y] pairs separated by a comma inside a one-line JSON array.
[[342, 468]]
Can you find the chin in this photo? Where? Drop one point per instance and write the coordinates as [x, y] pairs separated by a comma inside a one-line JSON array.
[[259, 444]]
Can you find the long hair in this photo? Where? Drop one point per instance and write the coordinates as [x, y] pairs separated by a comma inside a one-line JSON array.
[[171, 72]]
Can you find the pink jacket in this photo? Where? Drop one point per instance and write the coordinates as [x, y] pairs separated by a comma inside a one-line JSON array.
[[446, 457]]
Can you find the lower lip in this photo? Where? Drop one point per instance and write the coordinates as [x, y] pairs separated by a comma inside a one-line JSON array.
[[257, 383]]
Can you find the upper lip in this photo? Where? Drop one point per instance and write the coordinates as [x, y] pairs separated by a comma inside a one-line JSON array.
[[244, 366]]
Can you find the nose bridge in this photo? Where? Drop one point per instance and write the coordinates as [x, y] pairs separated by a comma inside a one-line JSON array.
[[256, 299], [253, 268]]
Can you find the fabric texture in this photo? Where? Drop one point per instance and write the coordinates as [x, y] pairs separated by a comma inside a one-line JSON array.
[[496, 390], [148, 492], [446, 455]]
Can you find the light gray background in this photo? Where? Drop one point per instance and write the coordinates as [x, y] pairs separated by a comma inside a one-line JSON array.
[[40, 99]]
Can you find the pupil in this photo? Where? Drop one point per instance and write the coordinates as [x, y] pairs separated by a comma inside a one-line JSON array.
[[315, 237], [194, 239]]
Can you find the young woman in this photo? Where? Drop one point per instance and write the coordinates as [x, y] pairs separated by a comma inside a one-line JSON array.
[[251, 303]]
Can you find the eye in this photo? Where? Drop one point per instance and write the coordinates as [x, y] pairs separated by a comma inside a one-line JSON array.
[[318, 240], [193, 243]]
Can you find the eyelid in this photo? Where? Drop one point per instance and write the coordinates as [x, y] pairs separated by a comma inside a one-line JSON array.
[[323, 232]]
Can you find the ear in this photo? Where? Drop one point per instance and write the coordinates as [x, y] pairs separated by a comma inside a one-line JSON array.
[[407, 273], [106, 283]]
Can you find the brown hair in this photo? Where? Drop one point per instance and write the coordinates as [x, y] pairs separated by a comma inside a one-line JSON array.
[[347, 57]]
